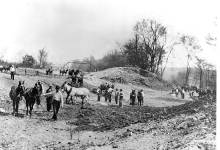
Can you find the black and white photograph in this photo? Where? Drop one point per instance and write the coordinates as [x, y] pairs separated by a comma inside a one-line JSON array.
[[109, 74]]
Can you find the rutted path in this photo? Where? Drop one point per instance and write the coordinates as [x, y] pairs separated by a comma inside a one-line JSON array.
[[39, 132]]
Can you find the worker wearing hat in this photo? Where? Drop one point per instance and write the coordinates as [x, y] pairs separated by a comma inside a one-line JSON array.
[[49, 99], [57, 100]]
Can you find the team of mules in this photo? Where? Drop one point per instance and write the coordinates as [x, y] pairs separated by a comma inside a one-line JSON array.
[[32, 95]]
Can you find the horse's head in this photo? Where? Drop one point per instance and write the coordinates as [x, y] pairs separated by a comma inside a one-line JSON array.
[[20, 89]]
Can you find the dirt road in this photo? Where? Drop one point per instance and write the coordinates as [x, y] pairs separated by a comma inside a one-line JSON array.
[[39, 132]]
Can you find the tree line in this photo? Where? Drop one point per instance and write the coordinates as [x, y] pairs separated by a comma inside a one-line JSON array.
[[150, 48], [32, 62]]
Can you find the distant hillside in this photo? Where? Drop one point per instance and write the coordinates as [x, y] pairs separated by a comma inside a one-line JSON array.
[[133, 75]]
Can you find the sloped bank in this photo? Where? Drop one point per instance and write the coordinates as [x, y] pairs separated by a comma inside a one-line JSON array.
[[132, 75], [102, 118]]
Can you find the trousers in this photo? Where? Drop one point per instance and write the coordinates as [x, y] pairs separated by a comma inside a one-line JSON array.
[[56, 107]]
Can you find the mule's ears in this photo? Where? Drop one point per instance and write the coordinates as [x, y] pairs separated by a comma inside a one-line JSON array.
[[23, 82]]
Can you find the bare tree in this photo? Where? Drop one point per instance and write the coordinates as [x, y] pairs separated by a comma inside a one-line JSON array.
[[42, 57], [201, 66], [191, 45], [209, 70], [154, 37], [146, 49], [170, 49]]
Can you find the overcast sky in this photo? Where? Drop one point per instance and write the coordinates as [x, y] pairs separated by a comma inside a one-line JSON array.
[[74, 29]]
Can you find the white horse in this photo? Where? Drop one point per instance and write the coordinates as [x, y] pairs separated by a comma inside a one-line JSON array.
[[83, 93]]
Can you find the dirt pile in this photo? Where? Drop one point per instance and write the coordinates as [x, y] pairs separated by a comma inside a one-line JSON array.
[[133, 75], [112, 117]]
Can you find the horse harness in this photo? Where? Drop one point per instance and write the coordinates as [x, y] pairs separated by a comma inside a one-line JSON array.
[[70, 91]]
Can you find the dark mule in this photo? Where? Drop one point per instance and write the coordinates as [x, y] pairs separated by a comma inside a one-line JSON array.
[[63, 72], [16, 94], [49, 72], [31, 96]]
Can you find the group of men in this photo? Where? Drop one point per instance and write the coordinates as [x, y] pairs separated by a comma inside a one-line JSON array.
[[178, 91], [139, 96], [108, 92], [54, 98], [118, 94], [77, 78], [192, 90]]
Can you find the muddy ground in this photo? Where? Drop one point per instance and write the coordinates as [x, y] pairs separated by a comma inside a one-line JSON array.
[[190, 124]]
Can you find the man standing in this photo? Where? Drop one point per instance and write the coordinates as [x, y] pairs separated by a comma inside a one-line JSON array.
[[140, 97], [99, 94], [116, 96], [177, 92], [57, 101], [183, 93], [40, 87], [132, 97], [120, 98], [106, 91], [49, 99], [106, 95], [12, 70], [110, 90]]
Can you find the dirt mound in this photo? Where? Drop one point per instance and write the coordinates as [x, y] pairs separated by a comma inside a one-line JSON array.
[[113, 117], [132, 75]]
